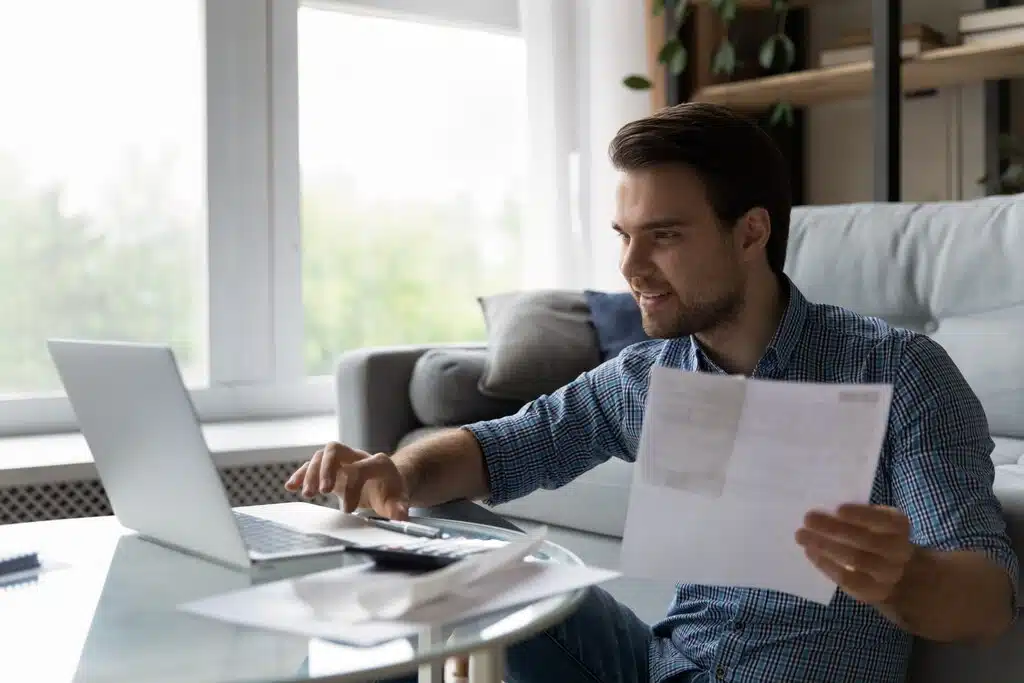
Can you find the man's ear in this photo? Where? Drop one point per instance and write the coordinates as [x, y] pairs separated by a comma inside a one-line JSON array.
[[752, 230]]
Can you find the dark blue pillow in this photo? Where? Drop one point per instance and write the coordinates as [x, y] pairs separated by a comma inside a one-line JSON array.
[[616, 318]]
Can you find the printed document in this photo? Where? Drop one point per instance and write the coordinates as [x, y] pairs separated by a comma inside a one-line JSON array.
[[363, 606], [728, 466]]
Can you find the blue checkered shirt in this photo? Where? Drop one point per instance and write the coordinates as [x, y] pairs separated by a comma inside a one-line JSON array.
[[935, 466]]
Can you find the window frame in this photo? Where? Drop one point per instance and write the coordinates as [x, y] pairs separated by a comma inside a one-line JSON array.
[[253, 262]]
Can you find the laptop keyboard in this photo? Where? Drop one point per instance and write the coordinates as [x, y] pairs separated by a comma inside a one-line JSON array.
[[265, 536]]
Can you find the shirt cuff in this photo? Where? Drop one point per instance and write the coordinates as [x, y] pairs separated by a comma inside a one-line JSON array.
[[492, 439]]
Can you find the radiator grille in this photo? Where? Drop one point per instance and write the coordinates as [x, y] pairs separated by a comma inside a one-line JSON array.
[[246, 485]]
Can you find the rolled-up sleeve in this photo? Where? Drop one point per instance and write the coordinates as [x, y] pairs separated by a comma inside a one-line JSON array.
[[942, 466], [556, 437]]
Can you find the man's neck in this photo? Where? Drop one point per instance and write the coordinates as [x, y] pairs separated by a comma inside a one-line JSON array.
[[738, 345]]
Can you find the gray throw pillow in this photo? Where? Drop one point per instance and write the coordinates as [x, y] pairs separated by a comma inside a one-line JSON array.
[[538, 341], [444, 389]]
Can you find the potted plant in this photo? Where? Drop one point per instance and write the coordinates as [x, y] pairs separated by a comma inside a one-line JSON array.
[[777, 52]]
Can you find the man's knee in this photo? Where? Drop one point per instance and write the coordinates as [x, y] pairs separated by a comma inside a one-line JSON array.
[[465, 511]]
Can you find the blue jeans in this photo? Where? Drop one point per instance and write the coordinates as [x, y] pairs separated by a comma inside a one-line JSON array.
[[601, 642]]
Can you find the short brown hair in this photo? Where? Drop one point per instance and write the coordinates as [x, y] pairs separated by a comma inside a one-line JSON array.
[[739, 164]]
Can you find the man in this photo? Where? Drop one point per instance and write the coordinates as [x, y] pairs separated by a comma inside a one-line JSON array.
[[702, 210]]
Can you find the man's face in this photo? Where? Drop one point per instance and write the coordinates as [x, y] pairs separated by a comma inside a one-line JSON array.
[[683, 266]]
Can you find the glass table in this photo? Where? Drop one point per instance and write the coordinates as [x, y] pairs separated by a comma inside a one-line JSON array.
[[106, 610]]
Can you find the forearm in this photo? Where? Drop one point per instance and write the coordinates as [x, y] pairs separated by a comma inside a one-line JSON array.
[[443, 467], [951, 596]]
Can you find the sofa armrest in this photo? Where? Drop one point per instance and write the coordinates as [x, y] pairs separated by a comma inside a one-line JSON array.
[[372, 387]]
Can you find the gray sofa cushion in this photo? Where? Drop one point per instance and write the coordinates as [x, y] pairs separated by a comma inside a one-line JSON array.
[[954, 270], [538, 341], [444, 389]]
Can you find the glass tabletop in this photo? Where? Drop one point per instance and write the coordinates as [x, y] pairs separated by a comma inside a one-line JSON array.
[[105, 610]]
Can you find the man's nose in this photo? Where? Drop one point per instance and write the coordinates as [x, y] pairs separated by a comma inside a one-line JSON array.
[[635, 261]]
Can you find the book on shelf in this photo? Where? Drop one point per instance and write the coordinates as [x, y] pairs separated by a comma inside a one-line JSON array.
[[911, 31], [858, 47], [998, 19], [1013, 35], [910, 47]]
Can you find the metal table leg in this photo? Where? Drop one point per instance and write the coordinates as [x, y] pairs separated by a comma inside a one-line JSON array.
[[487, 666], [431, 672]]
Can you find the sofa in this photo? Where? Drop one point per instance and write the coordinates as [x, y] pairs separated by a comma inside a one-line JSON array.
[[953, 270]]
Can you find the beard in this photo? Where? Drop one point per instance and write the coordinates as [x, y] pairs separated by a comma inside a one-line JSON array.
[[685, 318]]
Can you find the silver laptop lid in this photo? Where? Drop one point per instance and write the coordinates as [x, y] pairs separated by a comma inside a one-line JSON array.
[[137, 417]]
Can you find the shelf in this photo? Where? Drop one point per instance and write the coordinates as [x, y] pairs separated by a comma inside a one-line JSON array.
[[940, 67]]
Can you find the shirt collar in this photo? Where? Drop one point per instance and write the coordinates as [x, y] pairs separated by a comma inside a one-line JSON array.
[[781, 347], [791, 326]]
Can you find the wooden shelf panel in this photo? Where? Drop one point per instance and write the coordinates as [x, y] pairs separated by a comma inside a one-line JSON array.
[[958, 65]]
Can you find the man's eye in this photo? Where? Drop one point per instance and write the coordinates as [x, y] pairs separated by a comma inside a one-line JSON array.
[[665, 234], [623, 236]]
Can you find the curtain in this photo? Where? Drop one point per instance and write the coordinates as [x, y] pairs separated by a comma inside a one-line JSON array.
[[577, 53]]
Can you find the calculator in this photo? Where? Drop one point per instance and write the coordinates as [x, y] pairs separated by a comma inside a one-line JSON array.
[[424, 554]]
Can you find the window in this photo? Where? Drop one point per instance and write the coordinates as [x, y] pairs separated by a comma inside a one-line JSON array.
[[412, 143], [101, 181], [160, 161]]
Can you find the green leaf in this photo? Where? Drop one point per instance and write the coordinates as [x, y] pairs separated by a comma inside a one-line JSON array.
[[783, 111], [680, 10], [636, 82], [724, 60], [669, 50], [727, 10], [788, 50], [678, 63], [658, 6], [1013, 175], [766, 57], [673, 54]]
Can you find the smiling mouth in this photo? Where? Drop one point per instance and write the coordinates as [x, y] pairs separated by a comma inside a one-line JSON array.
[[652, 298]]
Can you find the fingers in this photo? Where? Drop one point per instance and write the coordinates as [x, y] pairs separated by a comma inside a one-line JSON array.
[[883, 568], [358, 473], [311, 482], [298, 476], [855, 535], [397, 509], [879, 518], [336, 455], [377, 476], [320, 473], [861, 585]]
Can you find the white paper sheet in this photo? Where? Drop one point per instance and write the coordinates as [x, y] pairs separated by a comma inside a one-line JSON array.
[[327, 604], [728, 467], [395, 597]]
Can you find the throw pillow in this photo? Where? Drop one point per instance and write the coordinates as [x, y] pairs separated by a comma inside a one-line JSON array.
[[616, 318], [444, 389], [538, 341]]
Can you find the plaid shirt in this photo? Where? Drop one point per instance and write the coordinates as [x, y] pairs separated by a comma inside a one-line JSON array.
[[935, 466]]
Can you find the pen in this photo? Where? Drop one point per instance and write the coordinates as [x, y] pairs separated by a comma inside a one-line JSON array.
[[408, 528]]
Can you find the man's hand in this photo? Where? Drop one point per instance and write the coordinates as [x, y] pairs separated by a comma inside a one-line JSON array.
[[864, 548], [360, 479]]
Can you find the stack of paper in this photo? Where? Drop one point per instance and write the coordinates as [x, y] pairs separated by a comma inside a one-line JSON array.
[[363, 606]]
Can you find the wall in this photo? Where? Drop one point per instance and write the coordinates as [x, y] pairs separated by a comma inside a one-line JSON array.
[[942, 135]]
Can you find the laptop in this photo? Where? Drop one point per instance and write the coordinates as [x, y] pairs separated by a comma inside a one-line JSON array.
[[138, 419]]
